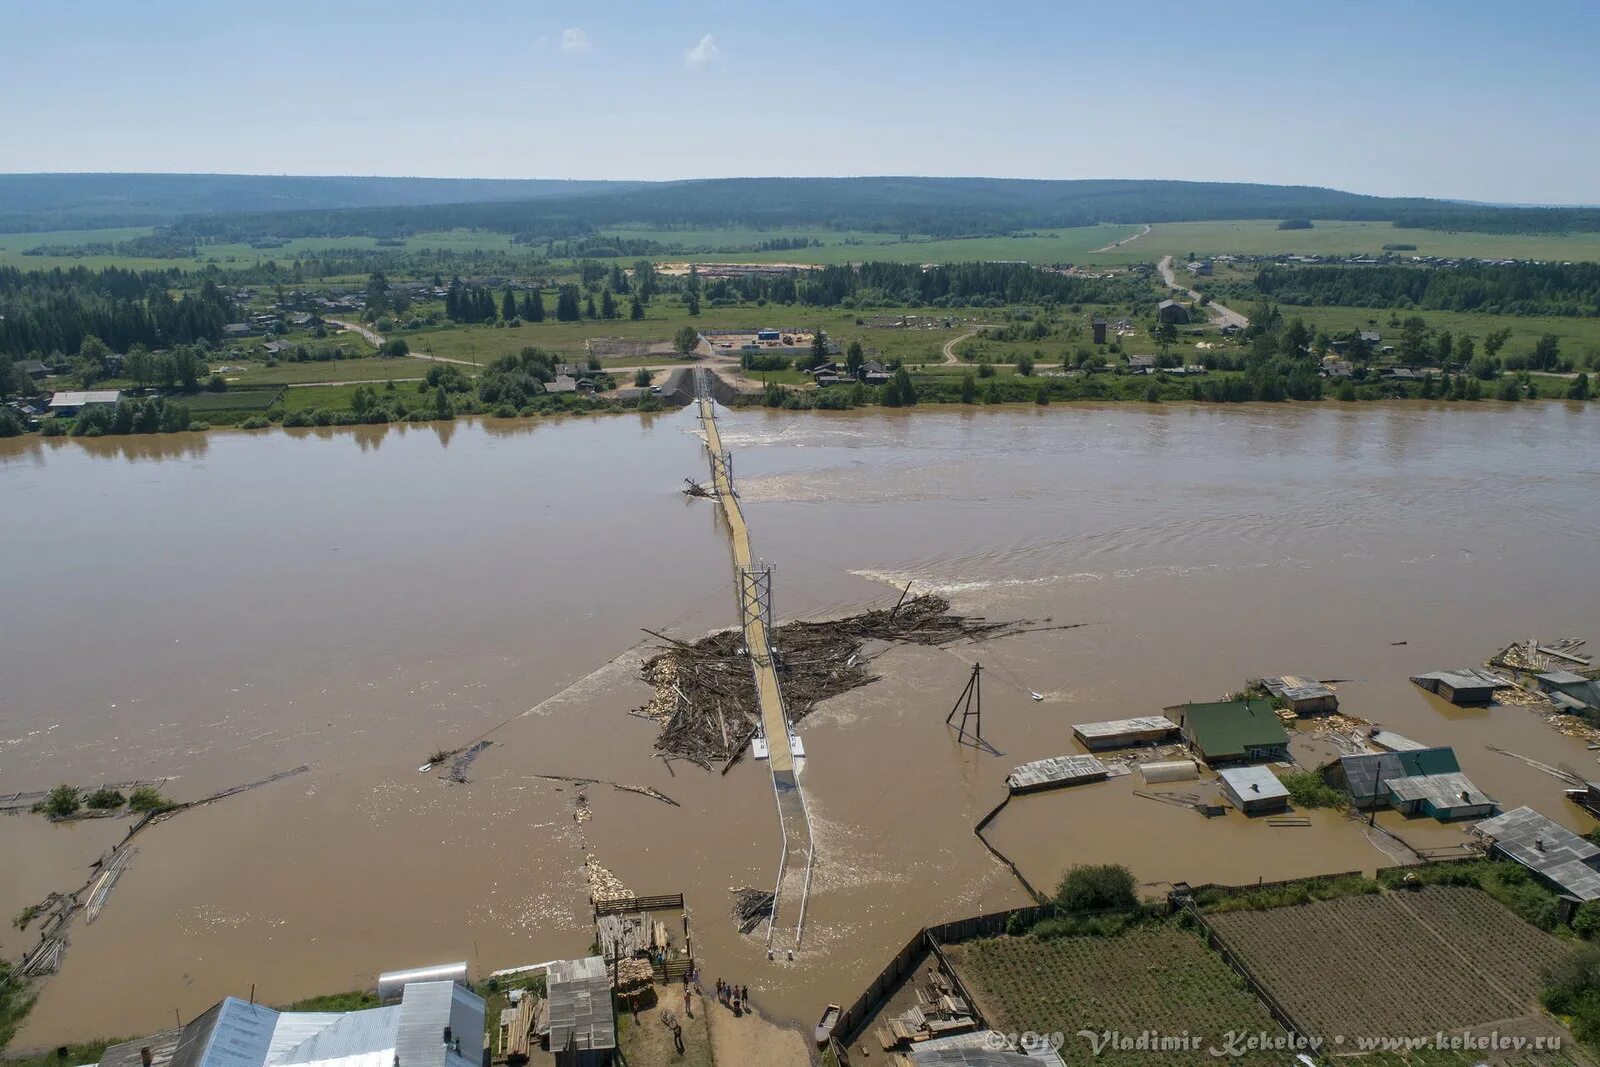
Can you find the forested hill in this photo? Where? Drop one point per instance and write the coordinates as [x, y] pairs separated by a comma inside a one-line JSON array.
[[247, 207], [944, 206], [88, 201]]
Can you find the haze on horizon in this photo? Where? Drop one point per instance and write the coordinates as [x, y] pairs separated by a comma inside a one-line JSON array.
[[1463, 100]]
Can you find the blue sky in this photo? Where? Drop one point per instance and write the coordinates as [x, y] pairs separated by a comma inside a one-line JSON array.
[[1477, 100]]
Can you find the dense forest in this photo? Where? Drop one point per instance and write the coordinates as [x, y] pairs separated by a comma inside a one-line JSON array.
[[934, 206], [1514, 289], [55, 311], [87, 201]]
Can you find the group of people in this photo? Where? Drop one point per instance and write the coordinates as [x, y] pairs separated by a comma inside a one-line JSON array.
[[736, 997]]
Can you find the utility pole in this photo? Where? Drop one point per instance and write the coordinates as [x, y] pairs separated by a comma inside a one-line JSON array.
[[970, 704]]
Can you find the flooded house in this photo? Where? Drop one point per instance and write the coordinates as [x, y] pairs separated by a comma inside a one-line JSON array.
[[1233, 731], [1465, 686], [1559, 857], [1417, 781], [1569, 691]]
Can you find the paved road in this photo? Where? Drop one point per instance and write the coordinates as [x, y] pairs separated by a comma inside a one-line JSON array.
[[1222, 316], [376, 339]]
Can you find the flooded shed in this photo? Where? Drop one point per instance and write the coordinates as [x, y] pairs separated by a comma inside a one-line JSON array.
[[1254, 790], [1125, 733], [1303, 696], [1465, 686], [1055, 772]]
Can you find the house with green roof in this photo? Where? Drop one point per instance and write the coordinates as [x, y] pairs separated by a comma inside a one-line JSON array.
[[1233, 731]]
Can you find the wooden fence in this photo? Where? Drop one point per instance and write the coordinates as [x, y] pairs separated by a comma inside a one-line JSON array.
[[619, 905]]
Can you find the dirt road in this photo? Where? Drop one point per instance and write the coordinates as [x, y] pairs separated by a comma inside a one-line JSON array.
[[1222, 316], [1114, 245], [376, 340], [950, 346]]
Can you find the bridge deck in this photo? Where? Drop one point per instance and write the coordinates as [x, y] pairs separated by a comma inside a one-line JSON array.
[[794, 866]]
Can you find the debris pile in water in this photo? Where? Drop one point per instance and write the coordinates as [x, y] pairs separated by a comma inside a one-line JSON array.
[[705, 693]]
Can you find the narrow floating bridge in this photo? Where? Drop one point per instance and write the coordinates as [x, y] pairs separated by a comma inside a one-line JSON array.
[[783, 750]]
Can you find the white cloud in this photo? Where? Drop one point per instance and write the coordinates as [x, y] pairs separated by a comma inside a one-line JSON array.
[[574, 40], [703, 54]]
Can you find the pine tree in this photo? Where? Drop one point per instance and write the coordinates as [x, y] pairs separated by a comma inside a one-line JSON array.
[[636, 310], [589, 308], [536, 307], [567, 309], [608, 305], [508, 305]]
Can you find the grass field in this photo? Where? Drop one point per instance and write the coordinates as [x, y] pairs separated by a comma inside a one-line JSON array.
[[1152, 977], [12, 246], [332, 370], [1401, 964], [1262, 237]]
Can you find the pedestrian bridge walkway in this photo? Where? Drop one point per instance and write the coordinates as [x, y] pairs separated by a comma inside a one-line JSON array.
[[754, 582]]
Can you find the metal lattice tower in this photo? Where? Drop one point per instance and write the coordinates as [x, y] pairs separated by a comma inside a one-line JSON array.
[[722, 466], [755, 597]]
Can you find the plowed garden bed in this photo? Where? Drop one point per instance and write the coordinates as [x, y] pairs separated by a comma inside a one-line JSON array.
[[1403, 964], [1157, 977]]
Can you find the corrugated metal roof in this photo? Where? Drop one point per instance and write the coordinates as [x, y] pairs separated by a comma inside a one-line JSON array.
[[297, 1026], [1057, 770], [1465, 678], [1547, 847], [426, 1009], [1365, 770], [1118, 727], [1395, 742], [352, 1034], [1253, 783], [233, 1033], [1296, 687], [77, 398], [1443, 791], [579, 993]]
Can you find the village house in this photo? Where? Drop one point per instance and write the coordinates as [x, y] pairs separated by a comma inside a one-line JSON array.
[[1097, 328], [1416, 781], [1232, 731], [73, 401], [1559, 857], [1172, 311]]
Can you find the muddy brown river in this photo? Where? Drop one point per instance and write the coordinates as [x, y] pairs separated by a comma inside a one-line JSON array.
[[215, 609]]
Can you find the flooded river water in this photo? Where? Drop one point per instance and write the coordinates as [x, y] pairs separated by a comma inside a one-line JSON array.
[[215, 609]]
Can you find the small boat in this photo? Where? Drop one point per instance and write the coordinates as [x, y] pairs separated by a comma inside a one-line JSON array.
[[1036, 696], [825, 1025], [425, 768]]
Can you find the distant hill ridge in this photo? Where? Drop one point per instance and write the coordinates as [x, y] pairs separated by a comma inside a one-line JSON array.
[[249, 206]]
